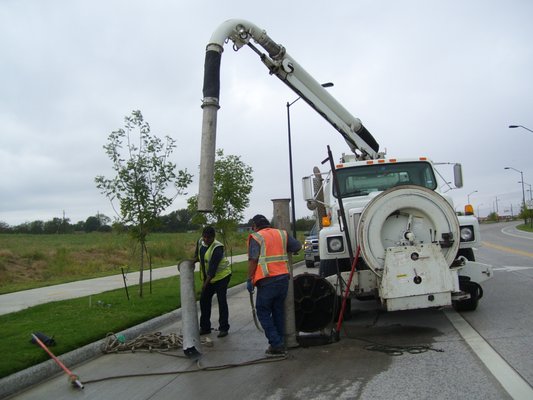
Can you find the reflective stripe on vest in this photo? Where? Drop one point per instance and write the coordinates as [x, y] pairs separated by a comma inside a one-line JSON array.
[[223, 268], [273, 257]]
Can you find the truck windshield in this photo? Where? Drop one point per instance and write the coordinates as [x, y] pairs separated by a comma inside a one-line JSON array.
[[364, 179]]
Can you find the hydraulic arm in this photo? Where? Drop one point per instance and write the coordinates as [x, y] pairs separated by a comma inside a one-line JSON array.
[[280, 64]]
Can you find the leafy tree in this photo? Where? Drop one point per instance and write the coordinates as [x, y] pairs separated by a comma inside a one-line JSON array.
[[79, 226], [305, 224], [176, 221], [4, 227], [231, 193], [493, 217], [57, 225], [91, 224], [143, 174], [36, 227]]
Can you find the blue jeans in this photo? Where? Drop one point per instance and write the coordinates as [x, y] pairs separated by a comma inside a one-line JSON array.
[[271, 294], [220, 288]]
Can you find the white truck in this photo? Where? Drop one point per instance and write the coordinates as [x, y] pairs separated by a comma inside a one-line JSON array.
[[412, 250]]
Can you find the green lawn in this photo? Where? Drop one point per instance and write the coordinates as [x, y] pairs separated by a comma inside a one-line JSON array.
[[524, 227], [30, 261]]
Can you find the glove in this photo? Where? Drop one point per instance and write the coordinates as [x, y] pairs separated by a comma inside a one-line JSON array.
[[249, 286]]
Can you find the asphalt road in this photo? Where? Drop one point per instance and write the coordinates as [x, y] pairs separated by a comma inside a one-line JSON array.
[[483, 354]]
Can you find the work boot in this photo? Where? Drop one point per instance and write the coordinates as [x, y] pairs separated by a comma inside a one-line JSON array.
[[205, 331], [222, 334], [276, 351]]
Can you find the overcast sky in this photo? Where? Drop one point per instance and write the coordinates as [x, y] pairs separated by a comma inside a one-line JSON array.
[[442, 79]]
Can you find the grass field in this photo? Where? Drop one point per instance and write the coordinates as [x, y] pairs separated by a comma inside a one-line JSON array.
[[28, 261]]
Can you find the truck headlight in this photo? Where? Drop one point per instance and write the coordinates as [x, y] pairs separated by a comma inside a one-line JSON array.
[[467, 233], [335, 244]]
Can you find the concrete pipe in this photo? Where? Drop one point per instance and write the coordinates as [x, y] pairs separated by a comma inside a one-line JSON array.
[[189, 315]]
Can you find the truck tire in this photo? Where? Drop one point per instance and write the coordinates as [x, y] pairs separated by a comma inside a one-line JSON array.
[[472, 288], [331, 266], [388, 218], [467, 253]]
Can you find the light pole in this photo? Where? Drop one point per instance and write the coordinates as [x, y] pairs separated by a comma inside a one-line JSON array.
[[479, 205], [525, 183], [293, 209], [523, 191], [475, 191], [520, 126]]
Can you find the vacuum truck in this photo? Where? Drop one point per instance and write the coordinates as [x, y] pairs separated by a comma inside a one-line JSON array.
[[386, 232]]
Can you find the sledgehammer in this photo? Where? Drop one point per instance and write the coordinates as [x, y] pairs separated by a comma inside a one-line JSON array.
[[73, 378]]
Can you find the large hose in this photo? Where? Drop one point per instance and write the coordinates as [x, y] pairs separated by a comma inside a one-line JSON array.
[[291, 73]]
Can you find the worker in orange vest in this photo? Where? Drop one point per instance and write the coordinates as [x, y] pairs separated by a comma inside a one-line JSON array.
[[268, 271]]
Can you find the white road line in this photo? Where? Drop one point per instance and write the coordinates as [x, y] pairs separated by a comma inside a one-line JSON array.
[[503, 230], [511, 381]]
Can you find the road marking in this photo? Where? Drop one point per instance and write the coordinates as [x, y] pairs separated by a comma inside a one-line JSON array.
[[512, 382], [508, 249], [504, 231]]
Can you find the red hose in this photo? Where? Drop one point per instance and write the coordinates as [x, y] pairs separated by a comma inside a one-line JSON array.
[[347, 290]]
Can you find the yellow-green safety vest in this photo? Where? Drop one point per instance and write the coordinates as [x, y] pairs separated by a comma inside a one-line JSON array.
[[223, 268]]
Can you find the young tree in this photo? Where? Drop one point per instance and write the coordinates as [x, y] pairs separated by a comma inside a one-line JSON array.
[[143, 174], [231, 193]]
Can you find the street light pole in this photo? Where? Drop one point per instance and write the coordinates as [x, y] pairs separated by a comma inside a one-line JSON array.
[[468, 196], [525, 183], [520, 126], [293, 208], [523, 191]]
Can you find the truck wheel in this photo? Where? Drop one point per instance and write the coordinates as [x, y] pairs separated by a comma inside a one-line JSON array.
[[329, 267], [405, 213], [475, 291], [309, 264], [467, 253]]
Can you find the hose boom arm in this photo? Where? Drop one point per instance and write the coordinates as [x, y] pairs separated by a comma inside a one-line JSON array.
[[283, 66]]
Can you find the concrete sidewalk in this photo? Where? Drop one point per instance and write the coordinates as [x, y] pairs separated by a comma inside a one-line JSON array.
[[17, 301]]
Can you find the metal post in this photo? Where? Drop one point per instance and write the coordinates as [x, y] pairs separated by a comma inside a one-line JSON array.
[[523, 191], [281, 221], [293, 212]]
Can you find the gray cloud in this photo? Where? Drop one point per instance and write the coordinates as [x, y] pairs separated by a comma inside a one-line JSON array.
[[441, 79]]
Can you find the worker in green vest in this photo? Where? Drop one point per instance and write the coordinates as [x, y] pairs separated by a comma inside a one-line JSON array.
[[215, 272]]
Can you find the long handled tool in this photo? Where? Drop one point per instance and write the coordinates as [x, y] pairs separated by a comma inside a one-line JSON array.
[[254, 313], [73, 378]]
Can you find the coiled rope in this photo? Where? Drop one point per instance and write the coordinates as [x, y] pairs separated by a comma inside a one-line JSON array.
[[151, 342]]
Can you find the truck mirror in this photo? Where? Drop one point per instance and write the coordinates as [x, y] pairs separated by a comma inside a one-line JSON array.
[[458, 175], [307, 185]]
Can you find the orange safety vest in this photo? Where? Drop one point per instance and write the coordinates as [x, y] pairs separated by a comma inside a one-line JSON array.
[[273, 259]]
